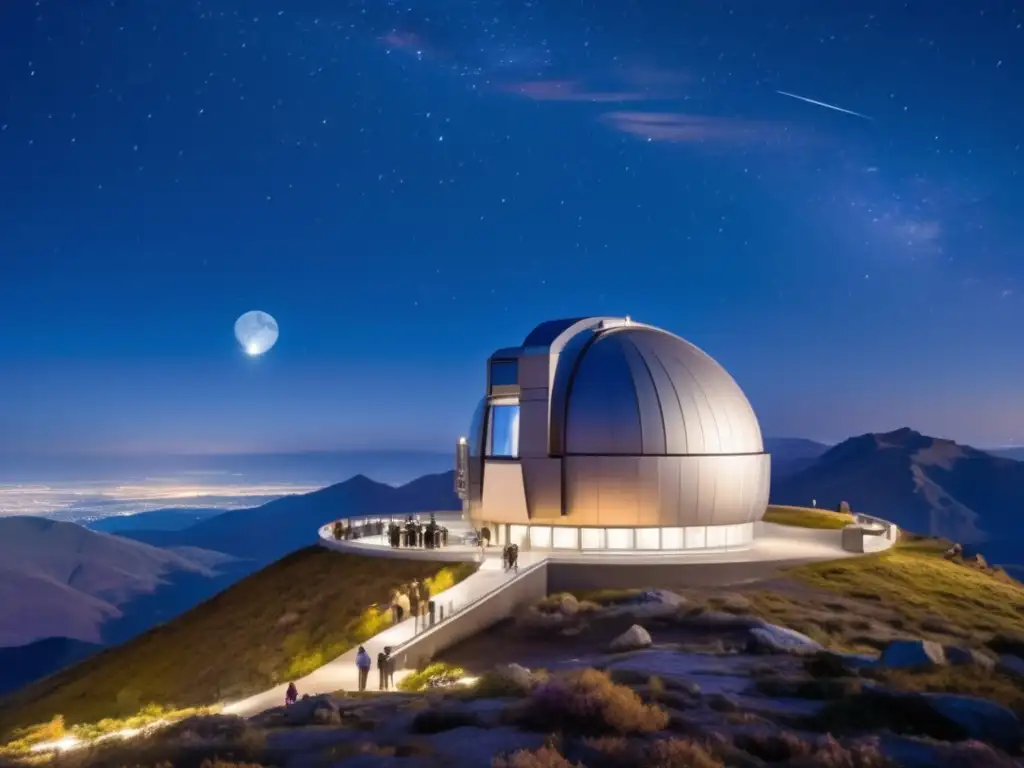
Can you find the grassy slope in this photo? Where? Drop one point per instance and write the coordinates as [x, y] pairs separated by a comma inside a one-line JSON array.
[[908, 591], [806, 517], [275, 625]]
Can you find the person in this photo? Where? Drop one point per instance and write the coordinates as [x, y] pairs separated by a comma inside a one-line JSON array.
[[403, 605], [390, 671], [414, 600], [382, 669], [513, 557], [485, 534], [291, 695], [363, 667], [506, 557], [396, 607]]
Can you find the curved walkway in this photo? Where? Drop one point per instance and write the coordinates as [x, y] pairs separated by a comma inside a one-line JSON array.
[[775, 544]]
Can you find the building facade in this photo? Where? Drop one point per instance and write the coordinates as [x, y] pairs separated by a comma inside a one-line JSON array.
[[602, 434]]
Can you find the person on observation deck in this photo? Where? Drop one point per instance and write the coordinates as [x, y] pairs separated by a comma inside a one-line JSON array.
[[383, 662], [363, 667]]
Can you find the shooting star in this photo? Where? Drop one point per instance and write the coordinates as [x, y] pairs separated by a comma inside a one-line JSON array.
[[826, 106]]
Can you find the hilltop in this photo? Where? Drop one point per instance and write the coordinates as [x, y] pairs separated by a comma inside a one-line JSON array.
[[931, 485], [274, 625], [62, 580]]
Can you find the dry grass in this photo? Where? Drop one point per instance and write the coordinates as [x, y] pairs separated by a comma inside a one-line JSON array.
[[588, 702], [275, 625], [544, 757], [436, 675], [975, 681], [806, 517]]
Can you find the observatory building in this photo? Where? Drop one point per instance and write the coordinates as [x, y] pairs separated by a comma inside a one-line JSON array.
[[602, 433]]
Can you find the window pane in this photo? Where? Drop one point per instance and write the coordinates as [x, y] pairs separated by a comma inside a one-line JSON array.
[[696, 537], [592, 538], [504, 373], [517, 534], [620, 538], [504, 431], [540, 537], [565, 538], [476, 430], [716, 536], [647, 538], [671, 538]]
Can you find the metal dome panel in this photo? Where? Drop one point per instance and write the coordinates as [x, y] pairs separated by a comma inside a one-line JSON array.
[[638, 390]]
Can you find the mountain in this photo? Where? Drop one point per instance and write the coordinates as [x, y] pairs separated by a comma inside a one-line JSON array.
[[263, 534], [62, 580], [792, 454], [169, 519], [1017, 454], [923, 483], [23, 664]]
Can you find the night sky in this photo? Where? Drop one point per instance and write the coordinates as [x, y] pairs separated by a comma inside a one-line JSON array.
[[408, 186]]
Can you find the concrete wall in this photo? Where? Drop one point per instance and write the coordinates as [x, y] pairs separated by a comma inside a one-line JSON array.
[[353, 547], [530, 586]]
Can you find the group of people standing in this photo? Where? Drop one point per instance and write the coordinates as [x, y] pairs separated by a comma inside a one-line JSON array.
[[410, 600], [385, 668], [415, 534]]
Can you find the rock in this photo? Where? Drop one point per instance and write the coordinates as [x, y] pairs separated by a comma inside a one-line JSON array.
[[977, 561], [721, 702], [662, 596], [720, 620], [733, 602], [540, 621], [955, 551], [572, 631], [568, 605], [912, 653], [312, 710], [982, 720], [520, 677], [1011, 665], [326, 716], [769, 638], [957, 657], [632, 639]]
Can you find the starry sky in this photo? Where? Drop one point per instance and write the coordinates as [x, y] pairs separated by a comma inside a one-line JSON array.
[[408, 186]]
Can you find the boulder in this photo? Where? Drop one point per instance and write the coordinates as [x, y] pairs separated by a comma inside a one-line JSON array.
[[912, 653], [312, 710], [533, 619], [520, 677], [568, 605], [1011, 665], [632, 639], [662, 596], [957, 657], [982, 720], [769, 638]]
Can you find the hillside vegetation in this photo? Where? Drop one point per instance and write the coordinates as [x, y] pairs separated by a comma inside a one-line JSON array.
[[806, 517], [278, 624]]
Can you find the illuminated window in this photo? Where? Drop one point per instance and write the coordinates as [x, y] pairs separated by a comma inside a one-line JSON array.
[[716, 536], [504, 431], [476, 430], [540, 537], [592, 538], [565, 538], [647, 538], [696, 537], [518, 534], [504, 373], [620, 538], [671, 538]]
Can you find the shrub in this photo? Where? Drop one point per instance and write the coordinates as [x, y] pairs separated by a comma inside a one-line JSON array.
[[588, 702], [662, 753], [507, 682], [437, 675], [545, 757]]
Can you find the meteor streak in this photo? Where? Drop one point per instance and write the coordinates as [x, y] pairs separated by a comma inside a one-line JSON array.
[[826, 106]]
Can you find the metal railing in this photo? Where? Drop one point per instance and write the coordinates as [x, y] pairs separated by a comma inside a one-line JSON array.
[[876, 526], [454, 612]]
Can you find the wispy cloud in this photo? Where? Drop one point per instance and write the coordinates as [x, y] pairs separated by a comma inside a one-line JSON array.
[[678, 127], [570, 90]]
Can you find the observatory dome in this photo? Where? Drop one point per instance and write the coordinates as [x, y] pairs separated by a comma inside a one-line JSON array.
[[641, 391]]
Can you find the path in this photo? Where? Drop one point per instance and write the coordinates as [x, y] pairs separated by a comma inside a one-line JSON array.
[[341, 674]]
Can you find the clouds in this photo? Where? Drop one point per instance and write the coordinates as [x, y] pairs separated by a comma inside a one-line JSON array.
[[680, 128], [570, 90]]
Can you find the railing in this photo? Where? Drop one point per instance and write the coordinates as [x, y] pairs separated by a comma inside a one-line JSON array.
[[421, 629], [876, 526]]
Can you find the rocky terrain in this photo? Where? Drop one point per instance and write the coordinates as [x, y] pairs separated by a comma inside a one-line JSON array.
[[641, 678]]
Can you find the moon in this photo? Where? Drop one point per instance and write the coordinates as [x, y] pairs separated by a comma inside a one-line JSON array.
[[256, 331]]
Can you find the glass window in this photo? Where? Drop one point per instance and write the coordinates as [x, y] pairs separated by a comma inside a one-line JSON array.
[[620, 538], [476, 430], [716, 536], [540, 537], [565, 538], [517, 534], [504, 373], [671, 538], [504, 431], [696, 537], [592, 538], [648, 538]]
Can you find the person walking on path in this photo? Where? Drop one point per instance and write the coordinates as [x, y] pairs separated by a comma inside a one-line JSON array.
[[414, 603], [363, 667], [291, 695], [506, 557], [513, 558], [383, 661]]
